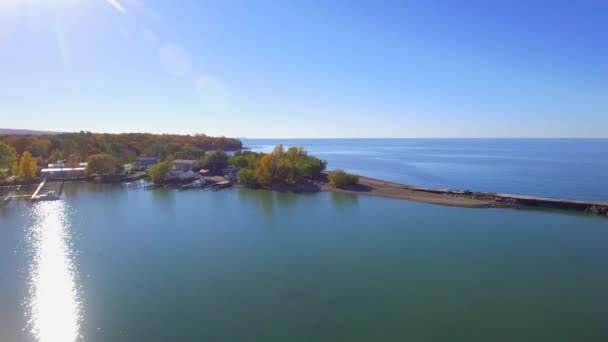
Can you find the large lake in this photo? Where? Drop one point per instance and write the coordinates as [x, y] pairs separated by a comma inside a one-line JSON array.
[[567, 168], [108, 263]]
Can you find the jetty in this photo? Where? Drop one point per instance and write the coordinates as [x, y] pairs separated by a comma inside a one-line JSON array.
[[47, 191], [466, 198]]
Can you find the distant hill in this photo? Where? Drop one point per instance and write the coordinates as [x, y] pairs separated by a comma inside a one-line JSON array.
[[25, 132]]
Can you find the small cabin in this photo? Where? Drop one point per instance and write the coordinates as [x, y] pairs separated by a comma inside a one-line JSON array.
[[184, 165], [147, 161]]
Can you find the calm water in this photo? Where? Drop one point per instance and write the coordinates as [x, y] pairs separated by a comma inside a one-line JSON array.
[[112, 264], [567, 168]]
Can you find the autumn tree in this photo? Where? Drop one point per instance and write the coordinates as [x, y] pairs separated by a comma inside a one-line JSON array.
[[27, 166], [73, 160], [40, 147], [264, 171], [282, 165]]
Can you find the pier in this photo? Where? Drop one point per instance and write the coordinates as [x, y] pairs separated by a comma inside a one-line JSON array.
[[45, 188]]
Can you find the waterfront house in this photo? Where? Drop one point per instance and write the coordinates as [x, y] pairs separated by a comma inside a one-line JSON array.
[[190, 175], [63, 164], [184, 165], [63, 172], [147, 161]]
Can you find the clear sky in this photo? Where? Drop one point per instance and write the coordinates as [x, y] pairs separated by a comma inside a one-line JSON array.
[[306, 68]]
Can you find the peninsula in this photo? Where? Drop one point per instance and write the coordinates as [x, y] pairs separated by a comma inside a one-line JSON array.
[[182, 161]]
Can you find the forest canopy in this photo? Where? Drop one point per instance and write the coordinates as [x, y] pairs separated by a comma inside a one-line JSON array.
[[125, 147]]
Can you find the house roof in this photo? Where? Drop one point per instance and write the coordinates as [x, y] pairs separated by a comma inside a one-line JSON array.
[[184, 161], [146, 158], [64, 169]]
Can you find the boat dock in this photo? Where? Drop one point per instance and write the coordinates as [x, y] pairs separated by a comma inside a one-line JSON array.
[[221, 185], [45, 188]]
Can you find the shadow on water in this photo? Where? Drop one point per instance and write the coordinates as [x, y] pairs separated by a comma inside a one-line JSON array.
[[72, 190], [263, 200], [344, 201], [163, 198], [358, 188]]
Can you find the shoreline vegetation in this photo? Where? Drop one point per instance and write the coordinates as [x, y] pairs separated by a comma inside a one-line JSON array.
[[292, 169]]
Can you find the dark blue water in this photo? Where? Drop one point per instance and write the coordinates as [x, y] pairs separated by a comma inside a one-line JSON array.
[[567, 168]]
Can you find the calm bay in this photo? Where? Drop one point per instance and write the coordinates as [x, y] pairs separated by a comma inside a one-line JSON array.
[[111, 263]]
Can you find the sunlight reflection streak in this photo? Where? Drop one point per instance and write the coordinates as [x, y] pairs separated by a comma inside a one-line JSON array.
[[117, 6], [62, 41], [54, 300]]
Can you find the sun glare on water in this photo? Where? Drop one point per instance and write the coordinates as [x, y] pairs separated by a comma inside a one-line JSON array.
[[54, 298]]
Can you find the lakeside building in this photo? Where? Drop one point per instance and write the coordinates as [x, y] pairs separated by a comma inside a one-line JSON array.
[[147, 161], [62, 172], [63, 164], [184, 165]]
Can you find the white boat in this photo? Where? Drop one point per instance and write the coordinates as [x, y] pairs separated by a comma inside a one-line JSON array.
[[49, 196], [199, 183]]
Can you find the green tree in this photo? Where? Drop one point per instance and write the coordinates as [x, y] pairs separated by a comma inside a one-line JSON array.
[[173, 148], [340, 178], [27, 167], [215, 161], [247, 178], [102, 164], [310, 167], [158, 172], [238, 161], [8, 157], [55, 156]]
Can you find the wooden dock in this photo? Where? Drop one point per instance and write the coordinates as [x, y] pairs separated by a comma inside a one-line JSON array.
[[46, 187]]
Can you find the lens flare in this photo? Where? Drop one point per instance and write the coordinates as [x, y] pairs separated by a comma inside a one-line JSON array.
[[62, 42], [117, 6], [54, 300]]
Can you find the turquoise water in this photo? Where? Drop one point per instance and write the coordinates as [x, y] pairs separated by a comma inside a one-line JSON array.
[[566, 168], [114, 264]]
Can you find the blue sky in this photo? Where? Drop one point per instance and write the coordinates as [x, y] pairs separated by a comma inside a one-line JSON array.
[[306, 68]]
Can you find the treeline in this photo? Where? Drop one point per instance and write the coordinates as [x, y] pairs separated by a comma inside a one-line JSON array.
[[125, 148], [287, 166]]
